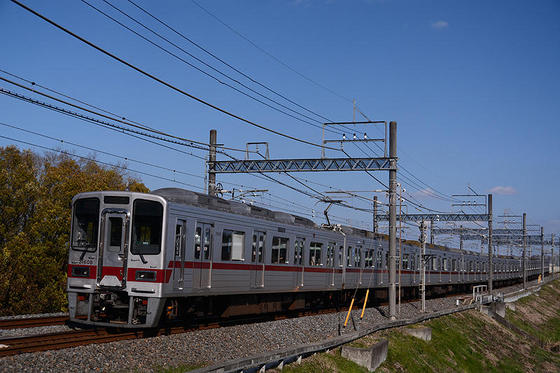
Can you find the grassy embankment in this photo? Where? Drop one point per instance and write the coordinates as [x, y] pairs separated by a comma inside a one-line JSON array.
[[467, 342]]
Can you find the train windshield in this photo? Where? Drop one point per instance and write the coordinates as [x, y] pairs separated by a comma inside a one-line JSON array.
[[147, 222], [86, 224]]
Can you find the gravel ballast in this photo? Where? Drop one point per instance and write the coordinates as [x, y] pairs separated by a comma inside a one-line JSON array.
[[211, 346]]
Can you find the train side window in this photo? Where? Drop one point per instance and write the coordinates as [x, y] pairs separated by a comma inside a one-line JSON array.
[[315, 251], [387, 259], [233, 245], [197, 236], [405, 261], [369, 259], [358, 256], [259, 239], [445, 264], [330, 254], [379, 259], [340, 255], [434, 263], [299, 244], [279, 250], [349, 256]]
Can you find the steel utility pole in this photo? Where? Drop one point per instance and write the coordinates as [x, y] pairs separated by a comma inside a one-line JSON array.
[[423, 264], [524, 250], [542, 253], [392, 218], [490, 251], [211, 160]]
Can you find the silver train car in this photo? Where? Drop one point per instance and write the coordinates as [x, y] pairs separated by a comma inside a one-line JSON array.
[[136, 259]]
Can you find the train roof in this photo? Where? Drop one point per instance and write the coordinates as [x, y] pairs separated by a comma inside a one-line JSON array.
[[188, 197]]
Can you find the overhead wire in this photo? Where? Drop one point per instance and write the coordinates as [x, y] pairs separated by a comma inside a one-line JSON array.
[[202, 62], [169, 85], [98, 161], [205, 50]]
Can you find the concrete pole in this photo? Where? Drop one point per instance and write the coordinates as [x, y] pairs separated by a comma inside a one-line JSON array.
[[392, 219], [374, 214], [490, 251], [211, 160], [423, 264], [524, 263], [542, 253]]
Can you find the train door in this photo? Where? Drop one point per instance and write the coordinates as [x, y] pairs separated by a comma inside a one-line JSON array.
[[202, 271], [179, 254], [257, 260], [113, 252], [299, 261]]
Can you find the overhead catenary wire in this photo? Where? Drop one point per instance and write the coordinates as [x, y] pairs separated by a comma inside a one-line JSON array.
[[98, 161], [270, 54], [205, 50], [88, 119], [184, 141], [310, 119], [169, 85]]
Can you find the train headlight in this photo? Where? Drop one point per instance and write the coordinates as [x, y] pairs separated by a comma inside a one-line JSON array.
[[145, 276], [80, 271]]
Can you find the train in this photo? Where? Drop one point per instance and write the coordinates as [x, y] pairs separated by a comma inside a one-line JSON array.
[[138, 259]]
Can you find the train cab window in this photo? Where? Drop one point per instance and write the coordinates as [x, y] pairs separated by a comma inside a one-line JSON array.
[[330, 254], [233, 245], [299, 245], [279, 250], [115, 233], [147, 222], [86, 224], [315, 251]]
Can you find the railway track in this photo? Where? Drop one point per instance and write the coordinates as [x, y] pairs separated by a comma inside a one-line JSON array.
[[54, 341], [32, 322]]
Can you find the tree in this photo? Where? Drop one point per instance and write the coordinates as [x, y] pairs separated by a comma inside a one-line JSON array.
[[35, 213]]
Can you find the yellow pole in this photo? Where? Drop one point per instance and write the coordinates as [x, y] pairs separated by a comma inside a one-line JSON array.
[[365, 302], [349, 310]]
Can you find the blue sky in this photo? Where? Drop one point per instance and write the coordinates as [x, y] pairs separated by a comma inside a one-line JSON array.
[[473, 86]]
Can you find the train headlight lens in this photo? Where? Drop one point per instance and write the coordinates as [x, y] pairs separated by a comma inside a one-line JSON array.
[[145, 276], [80, 271]]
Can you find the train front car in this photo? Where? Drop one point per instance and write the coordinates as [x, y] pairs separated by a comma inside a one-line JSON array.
[[115, 263]]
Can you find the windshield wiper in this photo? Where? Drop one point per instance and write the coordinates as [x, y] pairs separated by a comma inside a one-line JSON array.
[[143, 259]]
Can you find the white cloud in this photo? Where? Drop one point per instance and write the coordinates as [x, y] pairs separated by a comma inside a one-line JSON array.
[[438, 25], [503, 190]]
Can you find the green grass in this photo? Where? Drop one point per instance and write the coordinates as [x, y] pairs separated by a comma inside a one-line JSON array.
[[321, 363]]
